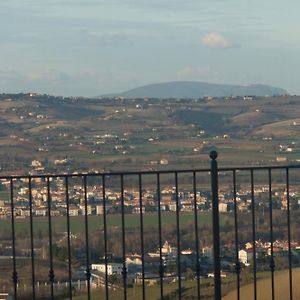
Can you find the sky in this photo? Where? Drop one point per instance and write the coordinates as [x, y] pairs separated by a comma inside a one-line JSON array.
[[94, 47]]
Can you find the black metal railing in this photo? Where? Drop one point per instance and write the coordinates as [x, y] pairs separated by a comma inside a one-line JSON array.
[[151, 235]]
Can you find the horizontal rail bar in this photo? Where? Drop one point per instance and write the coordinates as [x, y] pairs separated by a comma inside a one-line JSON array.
[[128, 173]]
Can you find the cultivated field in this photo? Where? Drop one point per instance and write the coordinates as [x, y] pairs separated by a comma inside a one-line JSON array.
[[135, 134], [40, 224], [264, 288]]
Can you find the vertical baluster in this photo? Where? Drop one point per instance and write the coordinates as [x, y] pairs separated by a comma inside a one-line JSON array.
[[161, 266], [196, 234], [272, 263], [31, 241], [87, 249], [124, 271], [14, 275], [237, 263], [69, 238], [178, 236], [216, 224], [51, 271], [105, 235], [289, 233], [253, 236], [142, 234]]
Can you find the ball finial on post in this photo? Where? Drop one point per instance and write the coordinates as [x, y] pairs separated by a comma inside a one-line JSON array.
[[213, 154]]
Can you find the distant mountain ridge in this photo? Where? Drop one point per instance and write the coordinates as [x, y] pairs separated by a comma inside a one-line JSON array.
[[194, 89]]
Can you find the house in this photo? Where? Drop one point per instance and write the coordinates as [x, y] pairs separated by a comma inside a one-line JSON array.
[[100, 209], [281, 159], [137, 210], [41, 212], [73, 210], [169, 254], [167, 249], [223, 207], [245, 256], [249, 97], [55, 212], [88, 209], [112, 268], [172, 207], [164, 161], [25, 212], [36, 164]]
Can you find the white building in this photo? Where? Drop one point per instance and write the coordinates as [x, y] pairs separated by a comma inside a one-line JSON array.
[[41, 212], [167, 249], [36, 163], [100, 209], [73, 211], [112, 268], [245, 256], [164, 161], [89, 209], [172, 207], [223, 207]]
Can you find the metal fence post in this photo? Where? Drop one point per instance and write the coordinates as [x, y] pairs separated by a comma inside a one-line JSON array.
[[216, 225]]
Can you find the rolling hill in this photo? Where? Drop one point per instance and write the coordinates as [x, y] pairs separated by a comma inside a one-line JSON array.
[[194, 89], [129, 134]]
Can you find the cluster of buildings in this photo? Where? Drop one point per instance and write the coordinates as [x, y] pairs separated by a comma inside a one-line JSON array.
[[280, 249], [89, 201], [169, 255], [152, 260]]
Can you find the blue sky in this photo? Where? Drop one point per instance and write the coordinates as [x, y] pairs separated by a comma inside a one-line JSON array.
[[92, 47]]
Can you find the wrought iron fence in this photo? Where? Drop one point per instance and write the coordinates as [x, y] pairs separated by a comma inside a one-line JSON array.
[[149, 235]]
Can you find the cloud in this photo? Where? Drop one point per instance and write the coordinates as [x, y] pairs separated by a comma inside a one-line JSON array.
[[216, 40]]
